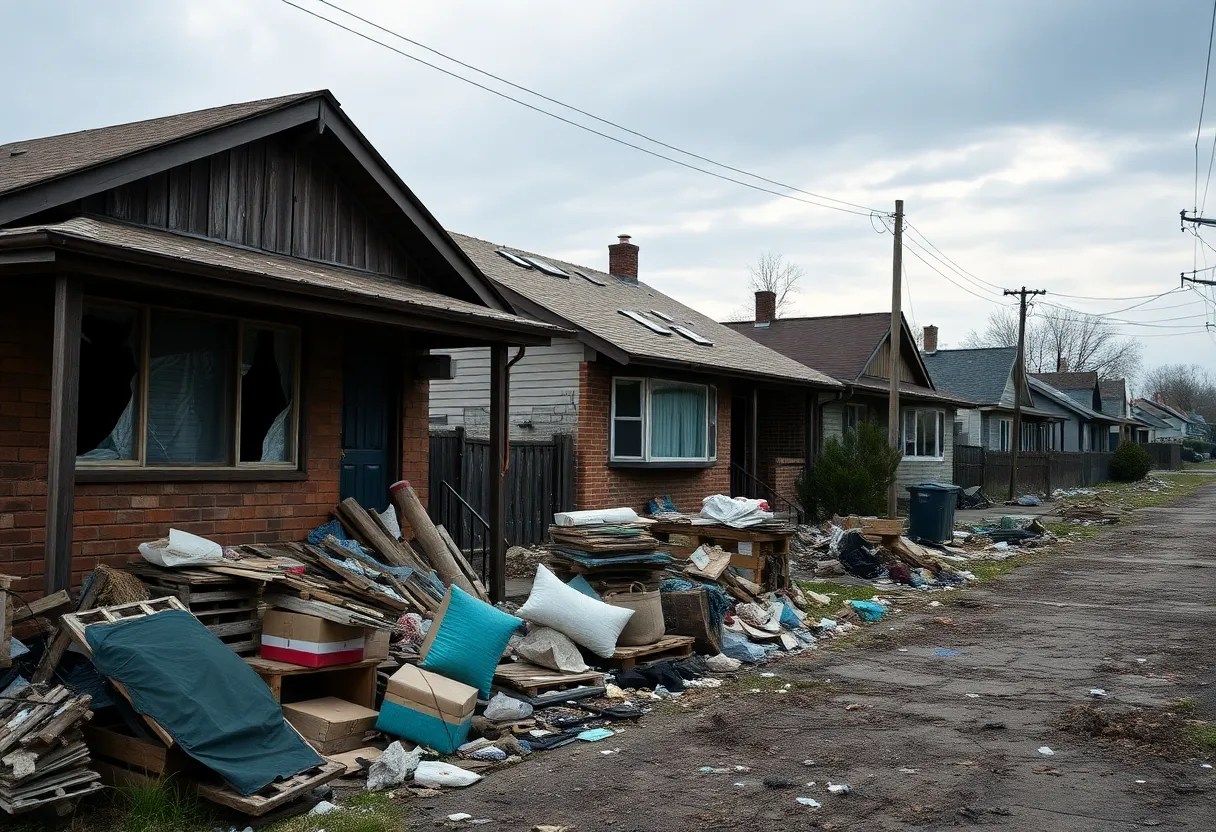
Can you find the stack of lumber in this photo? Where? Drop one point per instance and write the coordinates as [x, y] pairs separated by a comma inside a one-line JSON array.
[[44, 761], [609, 556], [227, 605]]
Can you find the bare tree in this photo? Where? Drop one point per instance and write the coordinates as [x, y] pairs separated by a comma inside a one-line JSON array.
[[1185, 386], [772, 273], [1056, 336]]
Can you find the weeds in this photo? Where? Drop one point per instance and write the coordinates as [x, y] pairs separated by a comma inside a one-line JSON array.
[[839, 592], [158, 806], [359, 813]]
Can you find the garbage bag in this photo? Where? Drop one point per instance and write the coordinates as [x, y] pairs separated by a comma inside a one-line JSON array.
[[503, 708], [857, 557], [549, 648], [181, 549], [440, 775], [738, 646], [869, 610], [393, 767]]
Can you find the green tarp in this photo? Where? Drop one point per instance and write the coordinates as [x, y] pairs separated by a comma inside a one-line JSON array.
[[213, 705]]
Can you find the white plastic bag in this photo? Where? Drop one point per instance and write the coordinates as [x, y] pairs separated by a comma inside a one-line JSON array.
[[389, 516], [736, 513], [181, 549], [595, 517], [547, 647], [438, 775], [503, 708], [393, 767]]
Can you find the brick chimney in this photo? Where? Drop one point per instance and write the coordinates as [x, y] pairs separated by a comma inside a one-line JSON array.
[[1062, 364], [766, 307], [930, 339], [623, 259]]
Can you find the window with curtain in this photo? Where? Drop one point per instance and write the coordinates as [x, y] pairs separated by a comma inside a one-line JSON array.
[[204, 391], [663, 421], [923, 434]]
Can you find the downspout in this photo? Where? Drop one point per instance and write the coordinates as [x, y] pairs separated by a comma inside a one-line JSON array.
[[506, 457], [839, 396]]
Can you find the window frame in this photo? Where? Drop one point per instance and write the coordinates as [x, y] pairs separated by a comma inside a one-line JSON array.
[[1004, 439], [139, 468], [864, 411], [647, 457], [939, 419]]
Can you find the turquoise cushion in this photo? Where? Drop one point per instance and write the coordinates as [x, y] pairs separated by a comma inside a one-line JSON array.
[[470, 641], [422, 728], [580, 583]]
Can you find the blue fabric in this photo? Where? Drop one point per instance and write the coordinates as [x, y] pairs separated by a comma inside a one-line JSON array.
[[470, 641], [579, 584], [213, 705], [789, 619], [719, 602], [422, 728], [333, 527], [660, 505], [677, 421], [868, 610]]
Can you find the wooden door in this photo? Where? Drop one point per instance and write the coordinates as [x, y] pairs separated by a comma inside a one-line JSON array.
[[369, 417]]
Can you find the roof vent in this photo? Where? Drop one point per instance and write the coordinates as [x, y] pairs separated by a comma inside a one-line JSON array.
[[17, 151], [644, 321]]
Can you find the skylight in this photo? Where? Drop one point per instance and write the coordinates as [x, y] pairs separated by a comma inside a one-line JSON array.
[[589, 278], [663, 315], [514, 258], [644, 321], [692, 336], [545, 266]]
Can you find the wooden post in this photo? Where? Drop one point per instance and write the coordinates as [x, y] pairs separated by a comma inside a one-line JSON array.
[[498, 458], [897, 270], [753, 439], [61, 460], [808, 430], [1019, 381]]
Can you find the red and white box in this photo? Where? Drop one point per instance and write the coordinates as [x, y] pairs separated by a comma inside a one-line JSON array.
[[309, 641]]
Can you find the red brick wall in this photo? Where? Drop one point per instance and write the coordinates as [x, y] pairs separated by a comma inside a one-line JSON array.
[[781, 422], [112, 519], [596, 485]]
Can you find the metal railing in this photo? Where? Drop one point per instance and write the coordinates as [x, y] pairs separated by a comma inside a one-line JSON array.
[[744, 484], [468, 528]]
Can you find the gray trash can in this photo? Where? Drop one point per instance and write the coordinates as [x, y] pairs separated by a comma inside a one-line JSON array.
[[931, 511]]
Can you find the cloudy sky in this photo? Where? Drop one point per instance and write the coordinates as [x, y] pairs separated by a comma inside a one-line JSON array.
[[1047, 143]]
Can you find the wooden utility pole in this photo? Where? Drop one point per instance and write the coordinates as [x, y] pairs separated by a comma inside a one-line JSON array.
[[1019, 381], [897, 270]]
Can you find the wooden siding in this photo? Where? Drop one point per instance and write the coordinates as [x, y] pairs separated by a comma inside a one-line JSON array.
[[544, 387], [880, 365], [269, 194]]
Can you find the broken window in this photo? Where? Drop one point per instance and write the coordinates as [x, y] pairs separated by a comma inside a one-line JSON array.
[[267, 389], [110, 349]]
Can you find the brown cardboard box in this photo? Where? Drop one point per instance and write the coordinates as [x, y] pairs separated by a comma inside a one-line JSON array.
[[375, 644], [331, 725], [309, 641], [434, 693]]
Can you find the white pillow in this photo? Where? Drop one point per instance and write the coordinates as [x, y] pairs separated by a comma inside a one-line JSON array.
[[586, 621]]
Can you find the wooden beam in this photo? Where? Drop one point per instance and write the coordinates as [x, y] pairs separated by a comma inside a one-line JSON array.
[[65, 402], [497, 464]]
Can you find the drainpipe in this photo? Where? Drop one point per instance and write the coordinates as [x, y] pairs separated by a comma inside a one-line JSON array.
[[839, 396]]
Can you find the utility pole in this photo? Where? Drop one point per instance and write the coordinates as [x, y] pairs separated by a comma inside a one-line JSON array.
[[897, 270], [1019, 377]]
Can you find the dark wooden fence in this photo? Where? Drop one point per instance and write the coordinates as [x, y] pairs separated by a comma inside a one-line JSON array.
[[540, 481], [1167, 456], [1038, 472]]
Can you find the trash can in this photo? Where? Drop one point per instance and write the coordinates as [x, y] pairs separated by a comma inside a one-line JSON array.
[[931, 511]]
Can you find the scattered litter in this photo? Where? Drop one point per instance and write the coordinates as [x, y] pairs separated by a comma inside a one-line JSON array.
[[1141, 782], [1045, 751], [440, 775], [595, 735], [503, 708], [907, 771], [973, 696], [808, 762], [393, 767], [611, 751], [809, 801], [1205, 765], [839, 788], [459, 816], [1097, 692], [712, 770], [324, 808], [947, 652]]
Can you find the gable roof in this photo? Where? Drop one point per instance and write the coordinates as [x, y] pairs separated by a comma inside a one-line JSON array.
[[1164, 408], [1113, 389], [980, 375], [595, 312], [1063, 399], [1068, 382], [35, 161], [41, 174]]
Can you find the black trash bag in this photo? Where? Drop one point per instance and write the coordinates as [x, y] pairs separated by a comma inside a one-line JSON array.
[[650, 676], [858, 558]]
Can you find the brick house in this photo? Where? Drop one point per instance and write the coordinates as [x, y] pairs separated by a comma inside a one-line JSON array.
[[856, 351], [217, 321], [660, 399]]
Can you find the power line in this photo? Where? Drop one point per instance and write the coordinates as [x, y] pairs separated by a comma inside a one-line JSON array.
[[1207, 69], [863, 211], [946, 261]]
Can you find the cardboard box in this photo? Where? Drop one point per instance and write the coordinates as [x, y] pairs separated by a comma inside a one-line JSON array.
[[375, 644], [309, 641], [331, 725], [428, 709]]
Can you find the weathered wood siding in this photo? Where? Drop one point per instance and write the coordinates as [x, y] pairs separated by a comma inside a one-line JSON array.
[[269, 194], [880, 365], [544, 390]]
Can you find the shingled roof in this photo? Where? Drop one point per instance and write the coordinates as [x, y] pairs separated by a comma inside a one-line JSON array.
[[595, 311], [34, 161], [980, 375]]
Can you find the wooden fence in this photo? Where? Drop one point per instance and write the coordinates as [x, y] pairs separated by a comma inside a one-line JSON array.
[[1167, 456], [540, 481], [1038, 472]]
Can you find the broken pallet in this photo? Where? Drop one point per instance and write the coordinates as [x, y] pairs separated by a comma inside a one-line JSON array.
[[533, 679]]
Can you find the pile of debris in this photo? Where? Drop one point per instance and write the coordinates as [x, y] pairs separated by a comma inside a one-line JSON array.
[[44, 762]]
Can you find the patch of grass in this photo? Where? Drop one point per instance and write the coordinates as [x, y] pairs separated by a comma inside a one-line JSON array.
[[754, 681], [1202, 736], [159, 806], [358, 813], [1185, 706], [1206, 465], [839, 593], [990, 570], [1075, 531], [1132, 495]]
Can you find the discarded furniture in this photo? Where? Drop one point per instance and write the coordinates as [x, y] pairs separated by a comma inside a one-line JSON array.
[[766, 553]]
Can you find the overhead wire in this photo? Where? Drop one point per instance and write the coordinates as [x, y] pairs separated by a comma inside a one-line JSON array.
[[848, 207], [1207, 70]]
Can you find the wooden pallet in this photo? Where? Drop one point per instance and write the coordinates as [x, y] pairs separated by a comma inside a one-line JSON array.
[[57, 791], [670, 647], [227, 606], [533, 679], [749, 549], [274, 795], [355, 682]]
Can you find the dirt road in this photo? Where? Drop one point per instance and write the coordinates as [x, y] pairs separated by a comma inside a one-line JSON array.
[[939, 741]]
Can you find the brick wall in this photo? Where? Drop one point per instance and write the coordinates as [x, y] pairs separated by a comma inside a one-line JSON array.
[[112, 519], [596, 485], [781, 423]]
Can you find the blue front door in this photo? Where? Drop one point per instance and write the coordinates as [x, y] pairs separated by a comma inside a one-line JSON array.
[[368, 408]]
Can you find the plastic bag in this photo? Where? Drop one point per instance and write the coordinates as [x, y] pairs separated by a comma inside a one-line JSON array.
[[857, 557], [389, 516], [438, 775], [393, 767], [736, 513], [503, 708], [722, 663], [181, 549], [869, 610], [549, 648], [737, 646]]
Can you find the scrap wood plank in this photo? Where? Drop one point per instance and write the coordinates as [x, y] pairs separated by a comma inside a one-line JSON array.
[[57, 790], [330, 612], [274, 795], [532, 679], [669, 647], [365, 530], [882, 526], [54, 651], [463, 563], [41, 607], [43, 764]]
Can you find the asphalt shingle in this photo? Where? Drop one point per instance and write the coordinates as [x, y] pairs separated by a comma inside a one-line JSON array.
[[979, 375]]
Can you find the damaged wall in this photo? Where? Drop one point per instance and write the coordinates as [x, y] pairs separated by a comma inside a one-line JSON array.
[[112, 519]]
